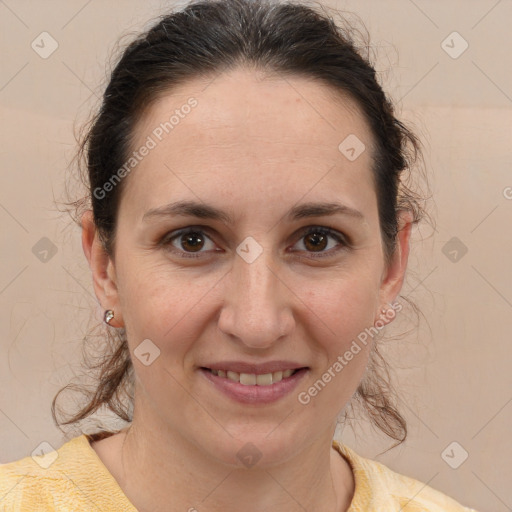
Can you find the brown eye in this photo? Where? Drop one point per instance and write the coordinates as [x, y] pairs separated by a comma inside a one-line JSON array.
[[188, 242], [193, 240], [316, 240]]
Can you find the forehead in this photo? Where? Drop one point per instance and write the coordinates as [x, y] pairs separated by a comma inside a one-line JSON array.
[[253, 132], [290, 109]]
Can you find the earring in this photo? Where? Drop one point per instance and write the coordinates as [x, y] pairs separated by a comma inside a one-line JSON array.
[[390, 306], [109, 314]]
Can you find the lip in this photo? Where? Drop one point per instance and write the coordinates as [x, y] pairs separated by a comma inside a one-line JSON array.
[[255, 394], [257, 368]]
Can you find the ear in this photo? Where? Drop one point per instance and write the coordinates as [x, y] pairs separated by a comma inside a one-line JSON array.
[[394, 273], [102, 267]]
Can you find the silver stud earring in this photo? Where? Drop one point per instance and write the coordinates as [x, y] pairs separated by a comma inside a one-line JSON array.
[[109, 314]]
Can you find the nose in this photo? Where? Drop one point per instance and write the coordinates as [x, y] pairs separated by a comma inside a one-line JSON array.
[[257, 308]]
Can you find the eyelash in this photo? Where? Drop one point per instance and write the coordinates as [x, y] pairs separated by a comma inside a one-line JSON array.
[[166, 241]]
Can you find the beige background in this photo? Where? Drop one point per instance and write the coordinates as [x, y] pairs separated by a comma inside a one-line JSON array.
[[455, 379]]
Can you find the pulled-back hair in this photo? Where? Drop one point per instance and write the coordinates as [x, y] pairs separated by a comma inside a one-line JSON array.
[[203, 39]]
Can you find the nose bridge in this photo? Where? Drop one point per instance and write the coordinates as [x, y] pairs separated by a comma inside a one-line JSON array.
[[255, 311], [255, 280]]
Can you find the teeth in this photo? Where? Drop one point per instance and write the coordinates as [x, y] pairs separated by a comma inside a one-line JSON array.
[[251, 379], [262, 380], [233, 376]]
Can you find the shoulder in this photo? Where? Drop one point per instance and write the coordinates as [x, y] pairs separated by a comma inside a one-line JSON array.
[[381, 489], [32, 482], [71, 477]]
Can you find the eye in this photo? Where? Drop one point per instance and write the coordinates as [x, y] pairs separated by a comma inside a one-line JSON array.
[[189, 242], [316, 238], [191, 238]]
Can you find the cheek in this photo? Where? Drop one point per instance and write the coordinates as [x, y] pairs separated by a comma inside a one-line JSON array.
[[161, 305], [343, 315], [344, 307]]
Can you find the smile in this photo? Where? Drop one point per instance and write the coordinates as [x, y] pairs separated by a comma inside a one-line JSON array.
[[253, 388], [252, 379]]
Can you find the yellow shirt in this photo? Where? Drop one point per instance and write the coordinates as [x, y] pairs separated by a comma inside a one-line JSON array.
[[73, 478]]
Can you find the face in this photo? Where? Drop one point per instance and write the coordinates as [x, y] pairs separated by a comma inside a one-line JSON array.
[[264, 282]]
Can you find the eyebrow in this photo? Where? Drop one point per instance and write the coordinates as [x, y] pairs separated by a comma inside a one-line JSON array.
[[205, 211]]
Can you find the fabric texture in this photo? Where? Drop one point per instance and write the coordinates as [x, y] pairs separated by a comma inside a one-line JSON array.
[[73, 478]]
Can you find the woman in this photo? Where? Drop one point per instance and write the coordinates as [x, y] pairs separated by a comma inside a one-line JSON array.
[[248, 237]]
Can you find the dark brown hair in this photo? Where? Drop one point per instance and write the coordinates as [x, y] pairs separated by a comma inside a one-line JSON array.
[[204, 39]]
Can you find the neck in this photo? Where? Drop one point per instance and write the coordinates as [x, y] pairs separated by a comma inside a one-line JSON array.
[[160, 470]]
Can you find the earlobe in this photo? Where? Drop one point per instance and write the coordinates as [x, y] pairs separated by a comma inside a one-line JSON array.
[[102, 268]]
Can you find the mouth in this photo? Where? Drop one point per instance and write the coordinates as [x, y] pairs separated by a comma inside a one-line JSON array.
[[253, 379], [253, 388]]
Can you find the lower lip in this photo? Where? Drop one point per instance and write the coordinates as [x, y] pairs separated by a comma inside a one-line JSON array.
[[255, 394]]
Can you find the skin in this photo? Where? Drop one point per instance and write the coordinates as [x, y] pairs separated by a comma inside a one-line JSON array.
[[254, 146]]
